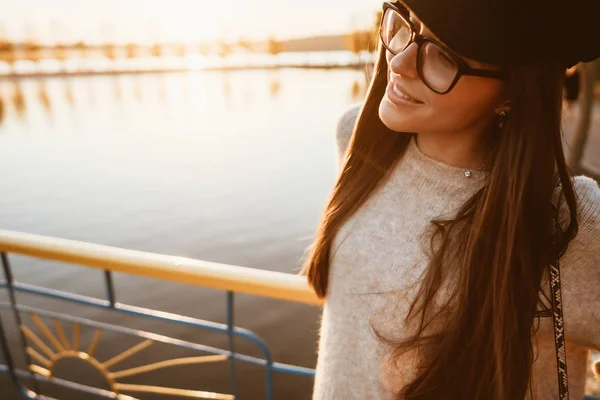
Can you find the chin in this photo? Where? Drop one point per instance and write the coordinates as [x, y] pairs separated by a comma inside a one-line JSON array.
[[394, 119]]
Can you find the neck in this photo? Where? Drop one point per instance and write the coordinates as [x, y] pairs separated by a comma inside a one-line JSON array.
[[462, 151]]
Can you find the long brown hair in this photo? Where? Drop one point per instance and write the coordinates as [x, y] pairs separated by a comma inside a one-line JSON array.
[[505, 235]]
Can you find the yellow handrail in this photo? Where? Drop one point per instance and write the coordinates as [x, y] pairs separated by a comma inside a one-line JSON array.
[[277, 285]]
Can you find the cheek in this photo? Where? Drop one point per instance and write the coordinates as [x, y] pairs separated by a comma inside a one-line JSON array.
[[470, 100]]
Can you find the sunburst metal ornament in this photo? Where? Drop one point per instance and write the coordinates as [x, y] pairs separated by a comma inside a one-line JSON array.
[[60, 348]]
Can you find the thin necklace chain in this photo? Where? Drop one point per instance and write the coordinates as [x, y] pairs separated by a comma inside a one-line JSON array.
[[469, 172]]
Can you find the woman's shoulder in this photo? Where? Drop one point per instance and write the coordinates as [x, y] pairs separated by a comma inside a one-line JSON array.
[[587, 192], [580, 267], [585, 246], [345, 127]]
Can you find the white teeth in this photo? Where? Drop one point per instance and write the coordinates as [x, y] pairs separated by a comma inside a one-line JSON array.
[[401, 94]]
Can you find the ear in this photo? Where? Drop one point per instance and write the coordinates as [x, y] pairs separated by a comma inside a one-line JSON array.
[[505, 106], [504, 100], [596, 369]]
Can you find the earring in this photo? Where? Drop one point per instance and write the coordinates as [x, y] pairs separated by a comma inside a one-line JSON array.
[[501, 118]]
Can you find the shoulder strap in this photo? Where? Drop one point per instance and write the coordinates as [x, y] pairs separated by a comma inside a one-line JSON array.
[[559, 326], [559, 332]]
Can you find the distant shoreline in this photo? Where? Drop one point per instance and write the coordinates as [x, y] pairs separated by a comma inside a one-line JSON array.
[[66, 74]]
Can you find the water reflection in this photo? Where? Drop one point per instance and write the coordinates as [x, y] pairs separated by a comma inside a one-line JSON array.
[[43, 96], [357, 91], [19, 100], [2, 109], [137, 89], [226, 79], [51, 96], [91, 95], [117, 90], [69, 92], [275, 87], [162, 88], [274, 83]]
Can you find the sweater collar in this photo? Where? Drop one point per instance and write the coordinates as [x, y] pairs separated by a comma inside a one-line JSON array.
[[439, 171]]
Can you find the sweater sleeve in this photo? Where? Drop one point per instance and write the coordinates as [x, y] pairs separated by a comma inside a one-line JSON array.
[[580, 269], [344, 130]]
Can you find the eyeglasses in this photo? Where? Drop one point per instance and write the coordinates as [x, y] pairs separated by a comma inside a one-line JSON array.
[[438, 67]]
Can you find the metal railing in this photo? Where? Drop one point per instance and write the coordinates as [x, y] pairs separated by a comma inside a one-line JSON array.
[[44, 347]]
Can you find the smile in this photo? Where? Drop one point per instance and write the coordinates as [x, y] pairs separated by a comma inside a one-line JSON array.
[[403, 95]]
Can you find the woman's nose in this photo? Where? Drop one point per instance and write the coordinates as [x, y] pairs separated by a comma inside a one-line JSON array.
[[405, 63]]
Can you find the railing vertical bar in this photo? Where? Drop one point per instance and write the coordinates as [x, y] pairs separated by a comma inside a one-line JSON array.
[[8, 357], [10, 280], [230, 327], [110, 288], [269, 379]]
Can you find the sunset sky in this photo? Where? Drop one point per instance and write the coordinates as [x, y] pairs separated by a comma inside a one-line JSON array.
[[182, 20]]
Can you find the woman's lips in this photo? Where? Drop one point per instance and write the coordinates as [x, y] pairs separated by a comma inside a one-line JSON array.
[[398, 97]]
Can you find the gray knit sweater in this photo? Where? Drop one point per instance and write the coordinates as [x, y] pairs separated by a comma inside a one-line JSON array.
[[377, 259]]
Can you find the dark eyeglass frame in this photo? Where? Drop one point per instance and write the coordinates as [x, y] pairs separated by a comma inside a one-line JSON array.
[[420, 40]]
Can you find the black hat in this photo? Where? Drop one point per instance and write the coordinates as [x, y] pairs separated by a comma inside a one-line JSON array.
[[509, 32]]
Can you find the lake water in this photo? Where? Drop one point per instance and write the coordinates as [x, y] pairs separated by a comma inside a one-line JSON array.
[[183, 164], [227, 167]]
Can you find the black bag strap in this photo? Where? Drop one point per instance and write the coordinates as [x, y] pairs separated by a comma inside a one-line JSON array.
[[557, 317], [559, 332]]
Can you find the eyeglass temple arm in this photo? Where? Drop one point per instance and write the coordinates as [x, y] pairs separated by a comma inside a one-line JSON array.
[[485, 73]]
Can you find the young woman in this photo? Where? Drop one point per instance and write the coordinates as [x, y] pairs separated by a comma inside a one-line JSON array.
[[454, 218]]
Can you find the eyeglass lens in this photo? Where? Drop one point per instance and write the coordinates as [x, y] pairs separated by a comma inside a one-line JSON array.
[[436, 67]]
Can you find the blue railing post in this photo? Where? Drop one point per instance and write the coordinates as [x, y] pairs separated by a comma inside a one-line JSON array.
[[230, 327], [10, 280], [110, 289], [8, 357], [269, 378]]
